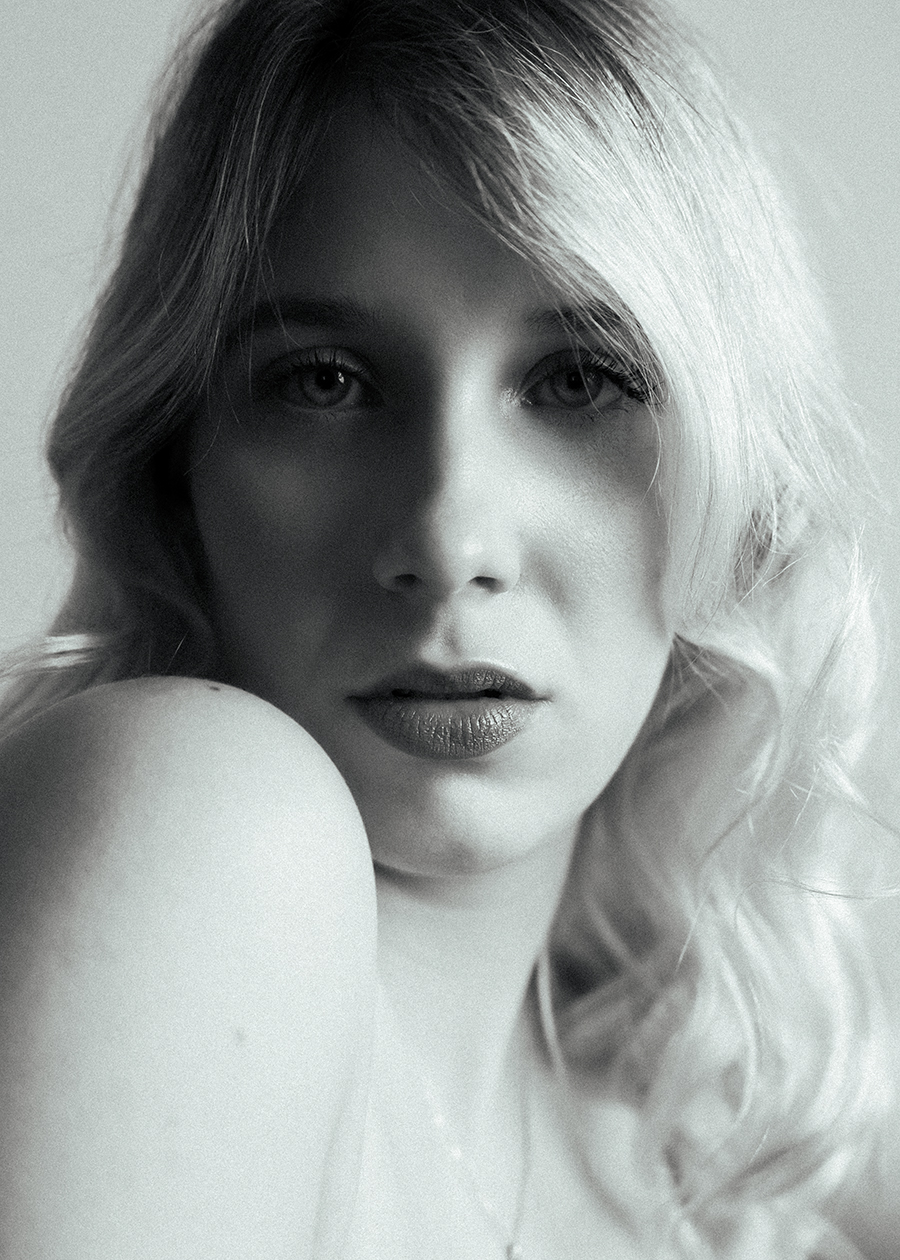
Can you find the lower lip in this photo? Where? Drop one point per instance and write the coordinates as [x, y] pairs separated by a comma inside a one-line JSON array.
[[445, 730]]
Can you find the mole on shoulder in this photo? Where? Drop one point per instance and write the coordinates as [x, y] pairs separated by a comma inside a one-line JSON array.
[[213, 687]]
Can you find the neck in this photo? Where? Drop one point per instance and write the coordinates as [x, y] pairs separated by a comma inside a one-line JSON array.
[[456, 957]]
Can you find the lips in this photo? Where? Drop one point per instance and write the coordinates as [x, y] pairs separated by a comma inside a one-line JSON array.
[[448, 715]]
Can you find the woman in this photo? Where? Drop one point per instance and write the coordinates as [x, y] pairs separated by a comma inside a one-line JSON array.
[[413, 822]]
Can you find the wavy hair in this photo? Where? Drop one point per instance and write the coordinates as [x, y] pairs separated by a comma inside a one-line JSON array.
[[696, 958]]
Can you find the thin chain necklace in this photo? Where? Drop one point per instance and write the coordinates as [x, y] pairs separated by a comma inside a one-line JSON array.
[[509, 1237]]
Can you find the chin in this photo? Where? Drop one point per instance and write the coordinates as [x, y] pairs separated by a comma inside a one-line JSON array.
[[441, 855], [473, 832]]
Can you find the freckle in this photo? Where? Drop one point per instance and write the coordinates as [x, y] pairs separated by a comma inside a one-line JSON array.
[[238, 1036], [213, 687]]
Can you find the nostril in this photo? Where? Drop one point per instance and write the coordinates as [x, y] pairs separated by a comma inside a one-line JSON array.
[[438, 567]]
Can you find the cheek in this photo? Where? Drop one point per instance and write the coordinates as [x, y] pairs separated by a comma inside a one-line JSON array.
[[607, 556], [263, 523], [281, 565], [614, 607], [601, 513], [620, 563], [624, 636]]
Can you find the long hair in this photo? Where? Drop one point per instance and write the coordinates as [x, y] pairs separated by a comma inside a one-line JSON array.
[[690, 960]]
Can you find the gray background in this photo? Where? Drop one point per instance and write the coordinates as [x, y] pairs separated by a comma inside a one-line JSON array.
[[818, 77]]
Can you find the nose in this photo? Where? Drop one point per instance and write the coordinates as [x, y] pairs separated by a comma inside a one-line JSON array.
[[453, 519]]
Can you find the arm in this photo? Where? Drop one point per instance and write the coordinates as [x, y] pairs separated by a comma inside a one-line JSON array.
[[187, 937]]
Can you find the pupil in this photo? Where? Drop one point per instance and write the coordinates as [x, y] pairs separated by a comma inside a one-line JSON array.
[[327, 379]]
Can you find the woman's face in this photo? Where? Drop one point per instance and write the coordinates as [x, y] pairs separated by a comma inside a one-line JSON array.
[[429, 520]]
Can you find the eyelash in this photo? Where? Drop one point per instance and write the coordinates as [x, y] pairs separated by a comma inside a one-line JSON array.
[[278, 379], [582, 361], [287, 372]]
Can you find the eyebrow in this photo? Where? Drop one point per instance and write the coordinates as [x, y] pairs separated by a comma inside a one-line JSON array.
[[344, 315], [569, 318], [341, 314]]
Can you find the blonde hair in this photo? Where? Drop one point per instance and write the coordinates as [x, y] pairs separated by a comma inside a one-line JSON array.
[[687, 957]]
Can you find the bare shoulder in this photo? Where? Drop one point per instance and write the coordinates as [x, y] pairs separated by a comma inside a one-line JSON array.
[[175, 765], [186, 978], [138, 731]]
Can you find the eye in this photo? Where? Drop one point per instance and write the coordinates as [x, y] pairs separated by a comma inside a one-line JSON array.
[[320, 380], [579, 381]]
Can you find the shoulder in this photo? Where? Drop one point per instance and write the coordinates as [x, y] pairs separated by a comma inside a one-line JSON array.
[[187, 940], [180, 783], [189, 761], [183, 728], [167, 790]]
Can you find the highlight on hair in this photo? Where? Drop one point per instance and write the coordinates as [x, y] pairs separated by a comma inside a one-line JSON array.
[[692, 960]]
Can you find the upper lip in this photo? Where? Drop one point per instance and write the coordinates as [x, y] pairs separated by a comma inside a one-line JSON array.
[[467, 682]]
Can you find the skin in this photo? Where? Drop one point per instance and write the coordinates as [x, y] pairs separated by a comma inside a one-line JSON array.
[[449, 498], [205, 1041], [447, 509], [186, 932]]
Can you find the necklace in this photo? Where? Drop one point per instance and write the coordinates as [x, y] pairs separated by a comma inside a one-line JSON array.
[[509, 1237]]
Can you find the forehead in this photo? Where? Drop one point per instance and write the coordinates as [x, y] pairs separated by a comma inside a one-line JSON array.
[[369, 223]]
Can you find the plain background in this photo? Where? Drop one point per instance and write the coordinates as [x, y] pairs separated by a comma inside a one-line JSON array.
[[819, 78]]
